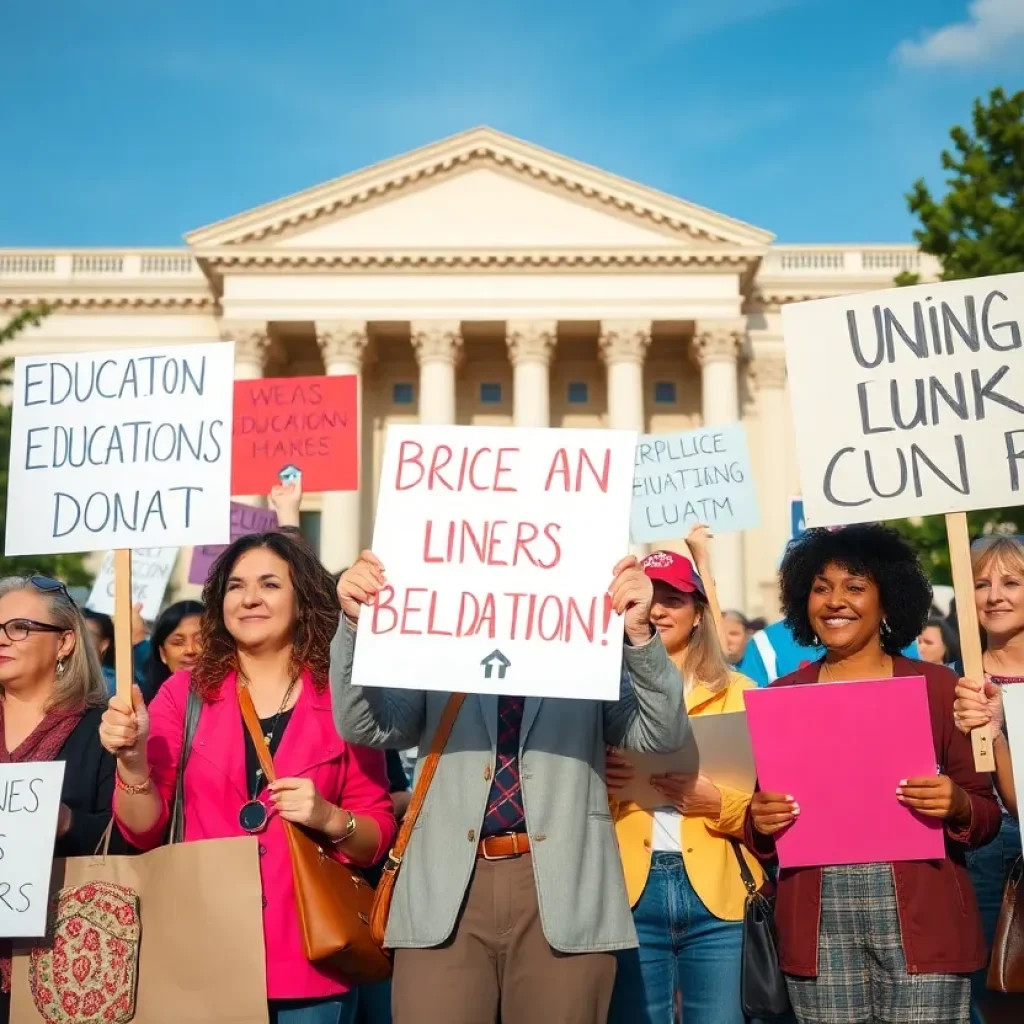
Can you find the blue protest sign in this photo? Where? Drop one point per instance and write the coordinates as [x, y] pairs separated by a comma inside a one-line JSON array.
[[797, 519], [696, 476]]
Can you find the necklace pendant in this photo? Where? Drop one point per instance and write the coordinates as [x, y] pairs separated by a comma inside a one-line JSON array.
[[266, 739]]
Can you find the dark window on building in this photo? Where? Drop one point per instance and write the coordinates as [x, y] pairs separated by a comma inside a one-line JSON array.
[[665, 392], [578, 392], [402, 394], [490, 394]]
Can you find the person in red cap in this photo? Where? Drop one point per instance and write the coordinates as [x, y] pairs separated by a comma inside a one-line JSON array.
[[680, 858]]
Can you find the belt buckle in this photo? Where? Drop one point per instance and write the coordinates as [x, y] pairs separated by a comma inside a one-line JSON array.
[[503, 856]]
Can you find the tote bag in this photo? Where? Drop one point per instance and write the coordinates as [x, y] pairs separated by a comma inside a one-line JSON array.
[[201, 958]]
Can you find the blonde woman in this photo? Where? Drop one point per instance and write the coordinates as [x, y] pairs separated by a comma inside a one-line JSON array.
[[682, 875], [51, 699]]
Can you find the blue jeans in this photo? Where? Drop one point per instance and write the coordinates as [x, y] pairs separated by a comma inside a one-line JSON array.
[[335, 1010], [684, 950]]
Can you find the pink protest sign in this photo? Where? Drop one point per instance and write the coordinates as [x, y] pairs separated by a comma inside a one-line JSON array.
[[245, 519], [840, 750]]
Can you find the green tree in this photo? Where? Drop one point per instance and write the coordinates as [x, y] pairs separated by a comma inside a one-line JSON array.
[[66, 567], [976, 229]]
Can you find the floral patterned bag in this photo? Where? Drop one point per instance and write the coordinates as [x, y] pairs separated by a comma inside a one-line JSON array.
[[87, 973]]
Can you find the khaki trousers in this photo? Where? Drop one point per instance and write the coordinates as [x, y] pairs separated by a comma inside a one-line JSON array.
[[497, 966]]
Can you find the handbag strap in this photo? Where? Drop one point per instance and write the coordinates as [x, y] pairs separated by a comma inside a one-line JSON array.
[[193, 708], [745, 872], [422, 787], [252, 723]]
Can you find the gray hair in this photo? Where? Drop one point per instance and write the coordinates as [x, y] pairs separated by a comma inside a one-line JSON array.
[[81, 684]]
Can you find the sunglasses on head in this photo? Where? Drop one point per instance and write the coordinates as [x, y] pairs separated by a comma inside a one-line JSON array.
[[47, 585]]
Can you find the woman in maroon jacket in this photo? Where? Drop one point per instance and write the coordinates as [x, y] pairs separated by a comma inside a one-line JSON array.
[[888, 942]]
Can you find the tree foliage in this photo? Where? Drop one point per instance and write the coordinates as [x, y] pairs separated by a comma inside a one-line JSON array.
[[976, 229], [66, 567]]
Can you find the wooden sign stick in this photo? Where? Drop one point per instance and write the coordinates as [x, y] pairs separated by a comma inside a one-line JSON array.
[[123, 654], [970, 635]]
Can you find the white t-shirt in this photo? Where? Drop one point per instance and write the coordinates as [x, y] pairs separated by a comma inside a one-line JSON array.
[[665, 838]]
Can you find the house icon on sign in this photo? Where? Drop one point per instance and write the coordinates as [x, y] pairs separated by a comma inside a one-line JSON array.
[[492, 659]]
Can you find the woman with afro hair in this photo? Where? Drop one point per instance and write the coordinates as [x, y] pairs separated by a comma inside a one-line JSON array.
[[892, 942]]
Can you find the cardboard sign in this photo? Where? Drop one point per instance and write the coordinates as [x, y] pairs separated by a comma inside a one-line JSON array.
[[151, 572], [245, 519], [719, 748], [498, 545], [122, 449], [909, 402], [821, 744], [310, 423], [29, 804], [696, 476]]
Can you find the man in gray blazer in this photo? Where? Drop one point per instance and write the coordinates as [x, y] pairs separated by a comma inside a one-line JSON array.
[[511, 899]]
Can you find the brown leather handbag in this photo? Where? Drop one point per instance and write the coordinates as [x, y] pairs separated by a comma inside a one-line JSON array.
[[386, 886], [333, 899], [1006, 965]]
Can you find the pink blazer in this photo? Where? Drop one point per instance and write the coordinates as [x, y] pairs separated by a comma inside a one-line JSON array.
[[350, 776]]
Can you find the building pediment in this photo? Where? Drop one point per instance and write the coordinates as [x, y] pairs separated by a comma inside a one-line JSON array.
[[481, 196]]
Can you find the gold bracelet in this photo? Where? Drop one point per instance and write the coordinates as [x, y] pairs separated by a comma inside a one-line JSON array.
[[132, 789], [350, 829]]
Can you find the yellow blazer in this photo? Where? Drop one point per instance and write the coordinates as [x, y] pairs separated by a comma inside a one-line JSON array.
[[710, 862]]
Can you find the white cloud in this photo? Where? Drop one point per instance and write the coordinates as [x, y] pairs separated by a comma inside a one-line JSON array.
[[992, 28]]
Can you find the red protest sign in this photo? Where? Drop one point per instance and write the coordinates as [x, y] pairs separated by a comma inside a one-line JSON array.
[[307, 422]]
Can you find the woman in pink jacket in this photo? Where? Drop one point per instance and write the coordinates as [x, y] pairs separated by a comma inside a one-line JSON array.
[[271, 610]]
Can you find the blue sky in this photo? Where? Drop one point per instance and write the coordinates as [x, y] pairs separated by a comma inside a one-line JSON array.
[[130, 122]]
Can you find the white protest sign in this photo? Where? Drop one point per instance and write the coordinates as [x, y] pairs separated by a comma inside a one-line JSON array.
[[29, 804], [151, 572], [1013, 709], [121, 449], [695, 476], [498, 545], [910, 401]]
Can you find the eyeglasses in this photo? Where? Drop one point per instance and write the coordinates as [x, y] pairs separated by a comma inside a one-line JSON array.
[[17, 630], [49, 586]]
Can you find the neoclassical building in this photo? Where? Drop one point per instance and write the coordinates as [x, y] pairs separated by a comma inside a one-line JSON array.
[[481, 280]]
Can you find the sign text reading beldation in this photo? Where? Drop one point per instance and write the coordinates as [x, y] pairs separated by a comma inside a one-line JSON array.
[[122, 449], [499, 541], [909, 401]]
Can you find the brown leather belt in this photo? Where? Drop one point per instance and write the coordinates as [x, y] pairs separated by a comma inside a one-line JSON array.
[[512, 844]]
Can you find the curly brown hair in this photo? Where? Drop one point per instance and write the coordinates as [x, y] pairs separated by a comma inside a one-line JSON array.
[[317, 607]]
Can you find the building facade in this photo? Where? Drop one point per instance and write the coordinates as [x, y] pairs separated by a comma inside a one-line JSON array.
[[481, 280]]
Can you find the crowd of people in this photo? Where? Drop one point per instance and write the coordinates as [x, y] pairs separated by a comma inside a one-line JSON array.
[[531, 890]]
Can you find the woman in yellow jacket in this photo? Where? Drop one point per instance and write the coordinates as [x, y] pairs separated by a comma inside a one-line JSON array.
[[681, 870]]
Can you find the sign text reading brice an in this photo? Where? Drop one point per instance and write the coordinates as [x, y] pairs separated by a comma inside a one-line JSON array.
[[909, 402], [122, 449], [498, 546]]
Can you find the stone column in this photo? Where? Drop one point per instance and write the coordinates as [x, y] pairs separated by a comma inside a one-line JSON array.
[[769, 374], [343, 345], [623, 346], [531, 344], [716, 349], [438, 346], [252, 339]]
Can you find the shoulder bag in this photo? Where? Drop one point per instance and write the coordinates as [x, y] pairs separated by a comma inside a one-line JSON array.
[[1006, 965], [333, 899], [763, 990], [389, 876]]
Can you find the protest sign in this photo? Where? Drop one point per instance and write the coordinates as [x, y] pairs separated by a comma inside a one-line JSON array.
[[695, 476], [719, 747], [499, 545], [121, 449], [245, 519], [29, 805], [821, 742], [311, 423], [797, 519], [909, 402], [151, 572], [1013, 708]]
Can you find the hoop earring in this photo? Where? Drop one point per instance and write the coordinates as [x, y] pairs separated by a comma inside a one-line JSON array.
[[60, 667]]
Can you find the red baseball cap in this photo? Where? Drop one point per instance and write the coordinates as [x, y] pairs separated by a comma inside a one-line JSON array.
[[675, 570]]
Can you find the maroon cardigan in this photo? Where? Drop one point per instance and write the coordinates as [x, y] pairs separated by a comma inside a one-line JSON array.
[[938, 913]]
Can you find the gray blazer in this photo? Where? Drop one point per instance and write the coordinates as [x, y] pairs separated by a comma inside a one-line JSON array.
[[580, 886]]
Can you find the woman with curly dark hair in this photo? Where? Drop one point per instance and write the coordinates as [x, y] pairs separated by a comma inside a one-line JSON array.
[[893, 941], [271, 610]]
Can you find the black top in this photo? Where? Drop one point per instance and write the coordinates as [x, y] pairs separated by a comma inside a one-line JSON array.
[[252, 762], [398, 781], [88, 789]]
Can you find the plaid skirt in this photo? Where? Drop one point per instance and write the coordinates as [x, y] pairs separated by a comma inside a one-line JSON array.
[[862, 972]]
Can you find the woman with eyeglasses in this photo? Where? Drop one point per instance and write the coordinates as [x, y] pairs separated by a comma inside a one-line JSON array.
[[270, 612], [51, 699]]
